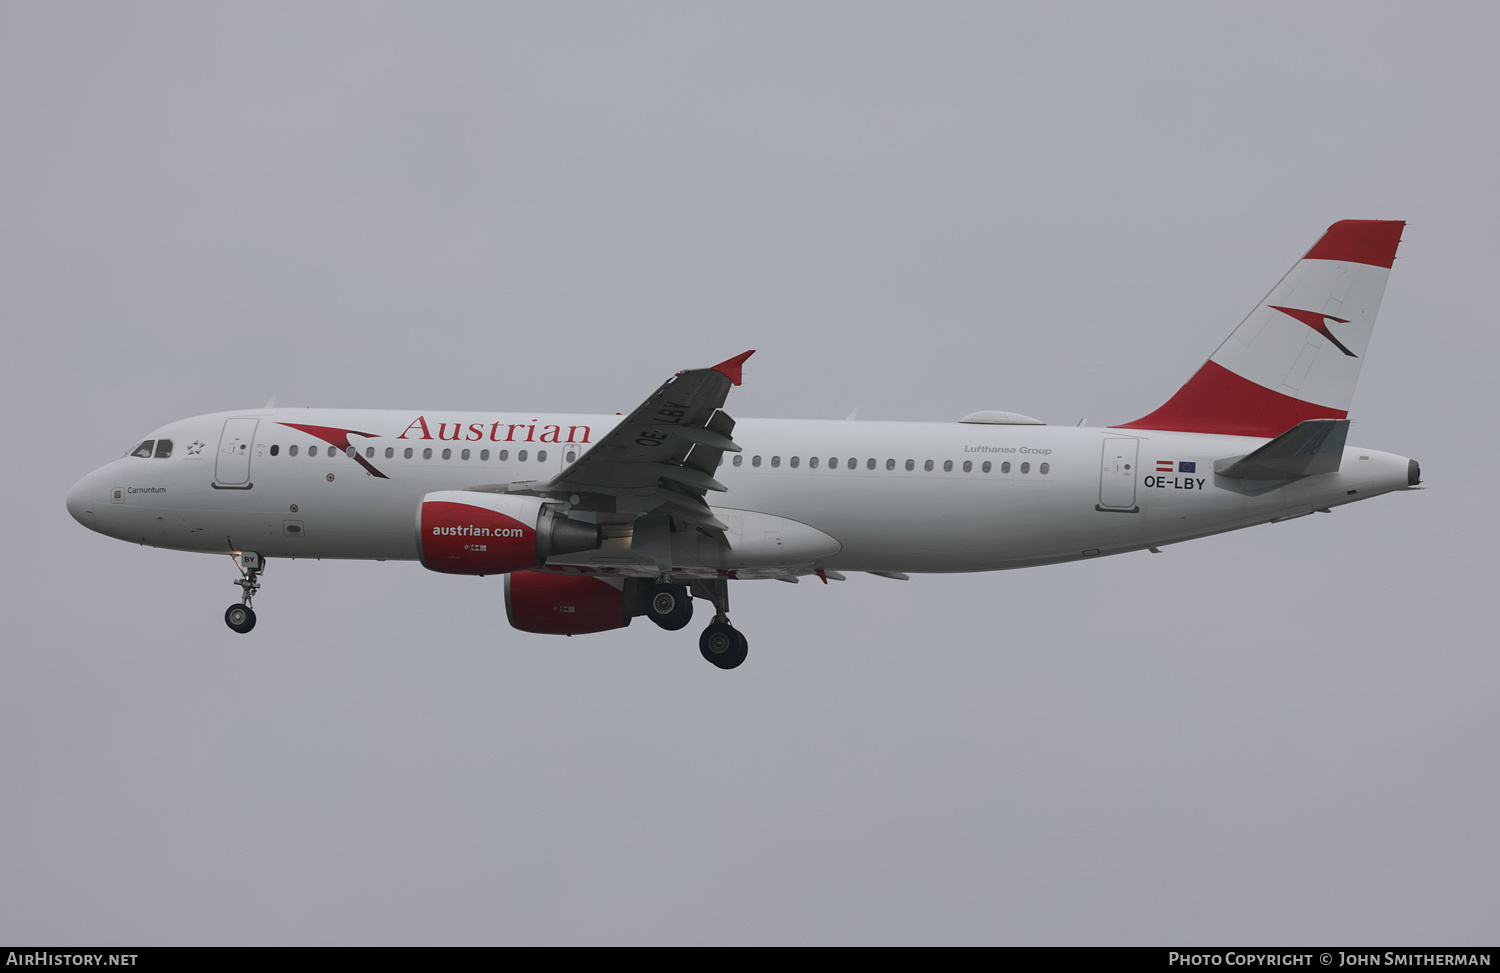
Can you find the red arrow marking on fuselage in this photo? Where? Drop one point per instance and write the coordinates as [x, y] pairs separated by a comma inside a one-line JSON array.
[[340, 439], [1318, 322]]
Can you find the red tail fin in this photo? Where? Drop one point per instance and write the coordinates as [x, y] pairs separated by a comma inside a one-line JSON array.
[[1297, 355]]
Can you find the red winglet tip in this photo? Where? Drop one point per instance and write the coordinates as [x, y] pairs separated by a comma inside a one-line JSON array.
[[732, 368]]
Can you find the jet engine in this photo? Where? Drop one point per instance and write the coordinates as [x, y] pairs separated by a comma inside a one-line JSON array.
[[564, 604], [462, 532]]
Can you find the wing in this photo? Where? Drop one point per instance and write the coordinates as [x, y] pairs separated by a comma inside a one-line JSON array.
[[661, 458]]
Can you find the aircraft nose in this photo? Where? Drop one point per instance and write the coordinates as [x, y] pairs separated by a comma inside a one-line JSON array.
[[81, 501]]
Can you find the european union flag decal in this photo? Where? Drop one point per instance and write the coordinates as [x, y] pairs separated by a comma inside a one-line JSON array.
[[1187, 467]]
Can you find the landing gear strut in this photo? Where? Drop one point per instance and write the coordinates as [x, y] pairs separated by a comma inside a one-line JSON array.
[[721, 643], [241, 618], [669, 606]]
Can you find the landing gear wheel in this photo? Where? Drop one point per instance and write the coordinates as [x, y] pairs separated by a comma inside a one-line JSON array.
[[723, 645], [241, 618], [669, 606]]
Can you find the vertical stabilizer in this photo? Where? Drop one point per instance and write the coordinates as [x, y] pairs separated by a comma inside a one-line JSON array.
[[1297, 355]]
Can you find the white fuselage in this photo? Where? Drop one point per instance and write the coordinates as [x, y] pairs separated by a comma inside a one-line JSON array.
[[1050, 493]]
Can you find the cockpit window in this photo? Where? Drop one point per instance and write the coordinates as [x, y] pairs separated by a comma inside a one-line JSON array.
[[144, 449], [163, 448]]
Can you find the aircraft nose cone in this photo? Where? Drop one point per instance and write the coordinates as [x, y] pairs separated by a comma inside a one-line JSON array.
[[81, 501]]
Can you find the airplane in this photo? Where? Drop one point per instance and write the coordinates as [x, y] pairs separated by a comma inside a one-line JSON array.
[[593, 520]]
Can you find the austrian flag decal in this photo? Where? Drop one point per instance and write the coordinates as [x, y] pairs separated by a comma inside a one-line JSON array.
[[1172, 466]]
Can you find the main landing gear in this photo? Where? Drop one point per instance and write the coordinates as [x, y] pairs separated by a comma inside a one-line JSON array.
[[721, 643], [241, 617], [669, 606]]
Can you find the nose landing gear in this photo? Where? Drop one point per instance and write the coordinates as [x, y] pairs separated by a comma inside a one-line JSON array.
[[241, 618]]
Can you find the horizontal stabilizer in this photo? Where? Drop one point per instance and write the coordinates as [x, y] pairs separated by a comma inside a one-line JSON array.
[[1314, 446]]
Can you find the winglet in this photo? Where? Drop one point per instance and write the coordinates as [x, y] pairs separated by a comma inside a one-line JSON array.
[[732, 368]]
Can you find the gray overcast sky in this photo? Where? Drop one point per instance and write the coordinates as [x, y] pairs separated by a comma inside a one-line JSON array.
[[1282, 735]]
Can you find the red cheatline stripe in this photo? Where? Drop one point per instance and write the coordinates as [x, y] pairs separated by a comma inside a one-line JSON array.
[[1217, 400], [1371, 242]]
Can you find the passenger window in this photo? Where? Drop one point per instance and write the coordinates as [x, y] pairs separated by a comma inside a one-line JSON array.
[[986, 466], [755, 461], [351, 452], [291, 450], [775, 461], [163, 448], [464, 454], [427, 453], [890, 464], [570, 457], [503, 455], [833, 462], [312, 450], [369, 452], [390, 452], [794, 461], [1025, 467], [1005, 467], [870, 463], [541, 456], [407, 455], [911, 464], [484, 454], [143, 451], [968, 467], [812, 462], [521, 455], [1044, 469], [447, 454], [275, 449], [947, 466], [927, 466], [739, 460]]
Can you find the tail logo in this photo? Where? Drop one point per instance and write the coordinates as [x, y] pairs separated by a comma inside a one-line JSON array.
[[1318, 322]]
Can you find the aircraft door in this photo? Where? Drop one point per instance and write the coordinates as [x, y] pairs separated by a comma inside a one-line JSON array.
[[233, 465], [570, 452], [1117, 476]]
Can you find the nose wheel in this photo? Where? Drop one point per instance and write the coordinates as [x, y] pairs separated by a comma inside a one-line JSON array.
[[241, 618]]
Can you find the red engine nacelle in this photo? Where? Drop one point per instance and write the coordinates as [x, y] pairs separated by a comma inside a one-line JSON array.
[[563, 604], [462, 532]]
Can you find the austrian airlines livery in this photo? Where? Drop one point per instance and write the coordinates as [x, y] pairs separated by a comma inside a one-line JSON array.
[[595, 519]]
